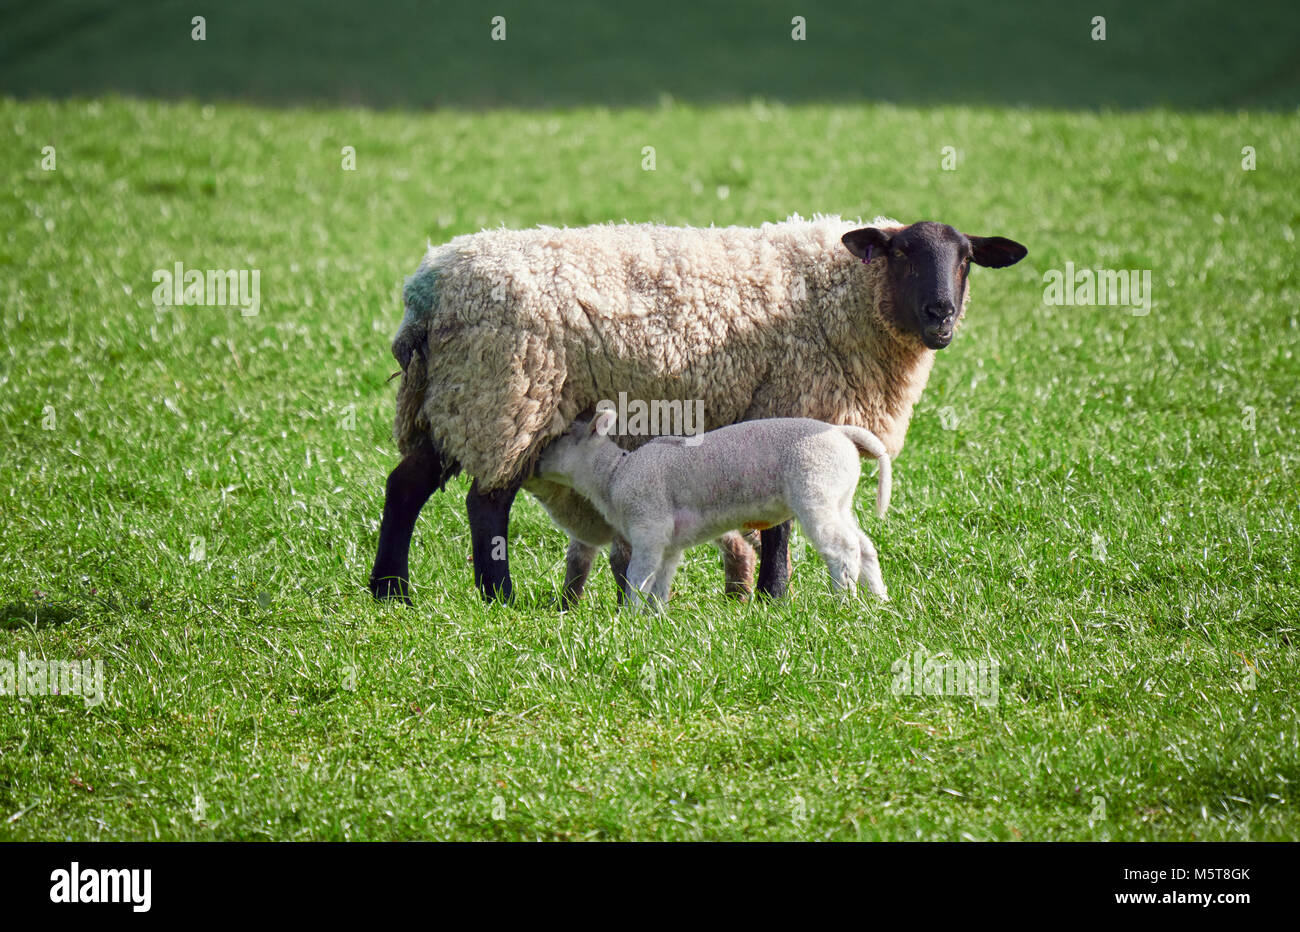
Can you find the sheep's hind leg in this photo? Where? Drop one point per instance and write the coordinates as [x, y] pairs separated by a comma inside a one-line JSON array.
[[774, 561], [419, 474], [489, 523]]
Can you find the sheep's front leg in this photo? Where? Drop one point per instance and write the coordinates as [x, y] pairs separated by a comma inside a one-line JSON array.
[[774, 561], [577, 567], [409, 486], [489, 523]]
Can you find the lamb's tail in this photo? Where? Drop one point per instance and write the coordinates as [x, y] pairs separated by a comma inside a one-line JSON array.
[[871, 445]]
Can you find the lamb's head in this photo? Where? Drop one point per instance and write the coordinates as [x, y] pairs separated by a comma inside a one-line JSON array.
[[927, 265], [572, 452]]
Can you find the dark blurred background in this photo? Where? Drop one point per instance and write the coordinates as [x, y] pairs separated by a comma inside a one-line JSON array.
[[1196, 54]]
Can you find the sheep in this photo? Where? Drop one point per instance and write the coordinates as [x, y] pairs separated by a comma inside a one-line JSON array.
[[670, 495], [508, 336]]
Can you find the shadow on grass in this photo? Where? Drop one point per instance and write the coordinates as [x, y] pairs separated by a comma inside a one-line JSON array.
[[18, 615]]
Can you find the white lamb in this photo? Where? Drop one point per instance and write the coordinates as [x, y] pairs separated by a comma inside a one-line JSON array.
[[669, 495]]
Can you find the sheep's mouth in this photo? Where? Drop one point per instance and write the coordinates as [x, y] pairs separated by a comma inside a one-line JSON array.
[[937, 338]]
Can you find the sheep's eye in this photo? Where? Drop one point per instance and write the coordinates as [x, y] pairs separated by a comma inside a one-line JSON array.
[[899, 254]]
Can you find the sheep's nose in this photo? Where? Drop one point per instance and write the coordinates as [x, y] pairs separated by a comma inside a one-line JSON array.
[[937, 311]]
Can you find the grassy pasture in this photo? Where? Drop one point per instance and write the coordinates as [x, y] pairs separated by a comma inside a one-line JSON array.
[[1104, 503]]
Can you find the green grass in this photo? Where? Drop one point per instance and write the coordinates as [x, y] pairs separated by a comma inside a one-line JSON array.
[[1103, 518], [418, 53]]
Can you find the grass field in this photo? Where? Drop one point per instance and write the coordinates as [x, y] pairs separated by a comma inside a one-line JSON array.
[[1103, 503], [434, 53]]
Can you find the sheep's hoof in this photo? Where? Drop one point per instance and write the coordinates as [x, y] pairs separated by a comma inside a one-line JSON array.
[[738, 590], [561, 603], [391, 589]]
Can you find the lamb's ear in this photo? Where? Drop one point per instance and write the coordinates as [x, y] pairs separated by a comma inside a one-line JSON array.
[[603, 423], [861, 242], [996, 252]]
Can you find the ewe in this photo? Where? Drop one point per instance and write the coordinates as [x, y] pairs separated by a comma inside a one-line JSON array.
[[509, 336]]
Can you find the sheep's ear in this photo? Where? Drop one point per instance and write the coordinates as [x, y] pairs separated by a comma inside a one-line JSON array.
[[861, 242], [996, 252], [603, 423]]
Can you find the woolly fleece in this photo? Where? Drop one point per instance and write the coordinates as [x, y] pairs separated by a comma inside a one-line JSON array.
[[509, 335]]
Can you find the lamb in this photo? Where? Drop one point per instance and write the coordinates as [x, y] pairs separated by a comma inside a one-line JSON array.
[[509, 336], [669, 495], [588, 532]]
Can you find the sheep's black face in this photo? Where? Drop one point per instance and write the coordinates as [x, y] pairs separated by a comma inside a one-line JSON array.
[[928, 266]]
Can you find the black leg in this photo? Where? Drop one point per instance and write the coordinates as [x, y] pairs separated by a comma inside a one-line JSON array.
[[577, 567], [774, 561], [620, 555], [489, 522], [417, 476]]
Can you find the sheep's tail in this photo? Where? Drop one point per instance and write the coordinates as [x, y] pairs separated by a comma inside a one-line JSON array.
[[419, 300], [410, 349], [871, 445], [413, 334], [409, 427]]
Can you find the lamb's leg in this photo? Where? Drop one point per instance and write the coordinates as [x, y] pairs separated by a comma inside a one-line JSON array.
[[643, 573], [417, 476], [662, 588], [577, 566], [837, 542], [774, 561], [620, 555], [870, 572], [737, 564], [489, 521]]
